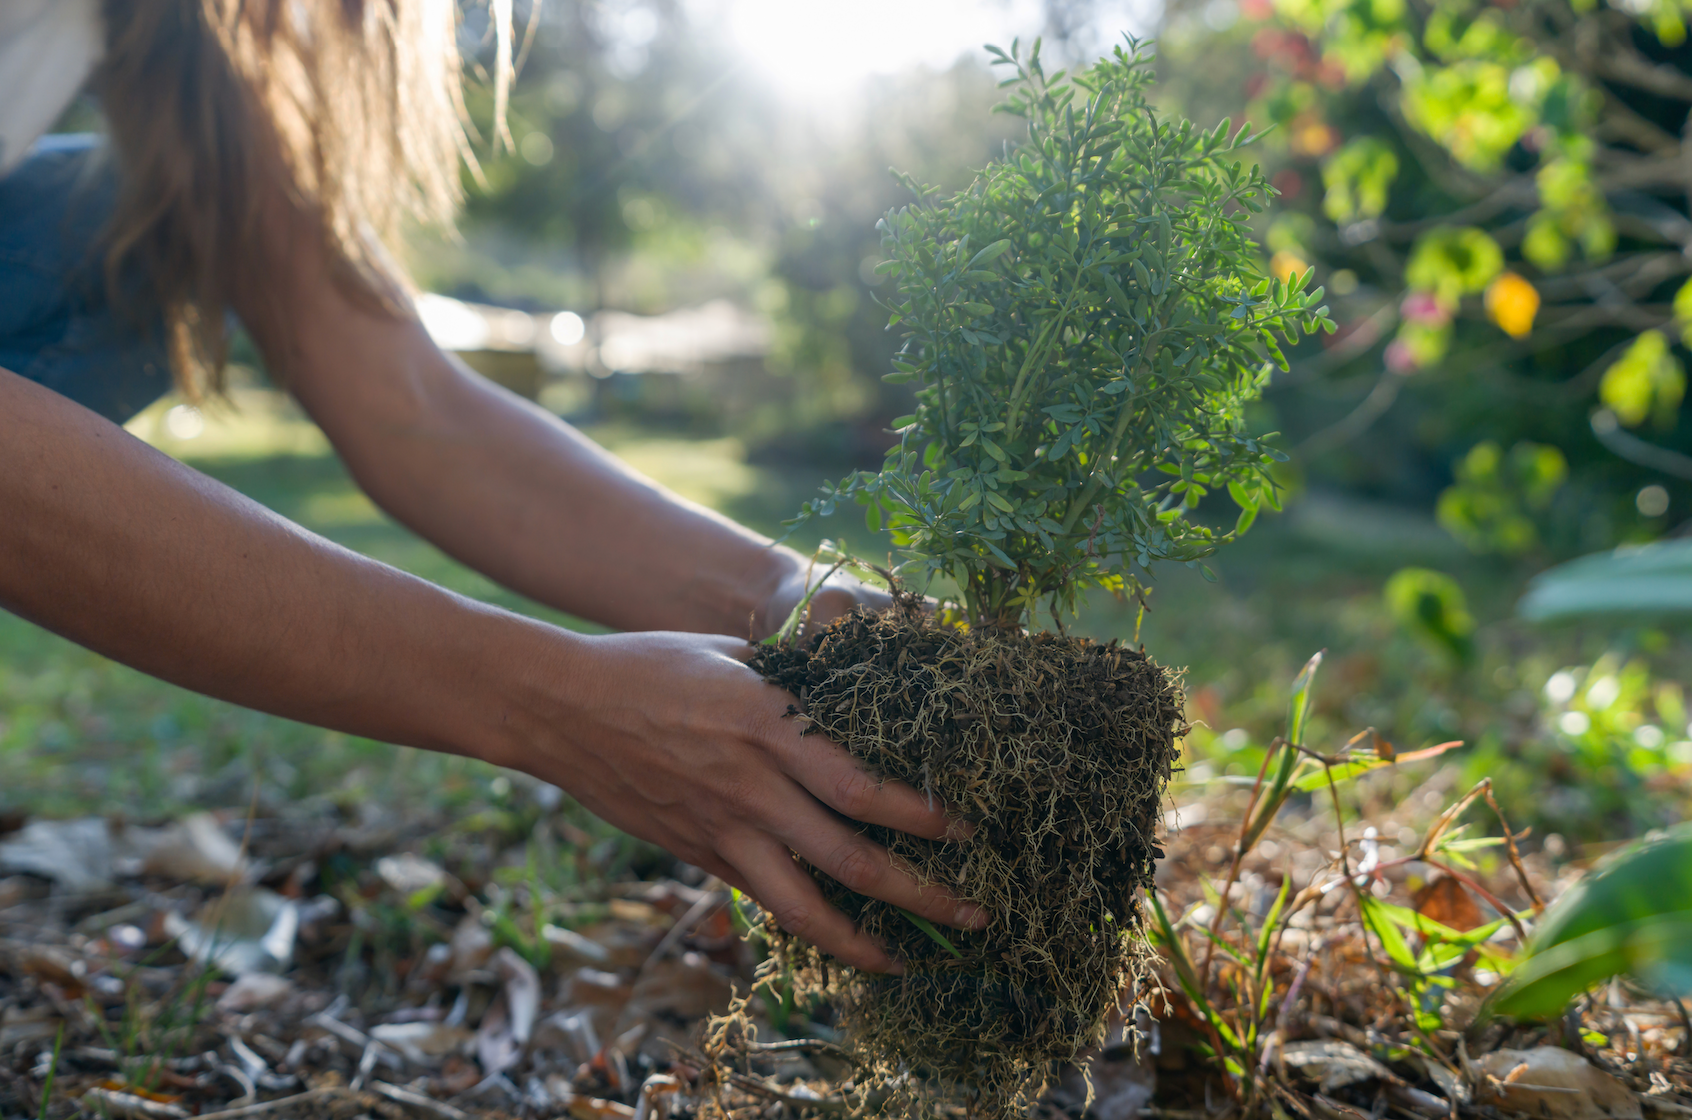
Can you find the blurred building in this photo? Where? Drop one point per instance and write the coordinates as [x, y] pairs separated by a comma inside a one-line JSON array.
[[705, 362]]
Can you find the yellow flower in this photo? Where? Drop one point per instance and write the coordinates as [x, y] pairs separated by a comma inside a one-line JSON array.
[[1287, 265], [1512, 302]]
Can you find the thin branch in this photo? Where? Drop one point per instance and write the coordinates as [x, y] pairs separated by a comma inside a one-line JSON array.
[[1635, 450], [1372, 408], [1621, 64], [310, 1096]]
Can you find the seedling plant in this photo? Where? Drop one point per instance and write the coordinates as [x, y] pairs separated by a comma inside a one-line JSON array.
[[1084, 326]]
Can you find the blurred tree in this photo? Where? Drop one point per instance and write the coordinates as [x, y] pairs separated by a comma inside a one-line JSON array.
[[1496, 195], [652, 169]]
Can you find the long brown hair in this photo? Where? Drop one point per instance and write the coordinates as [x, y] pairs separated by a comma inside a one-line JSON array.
[[357, 104]]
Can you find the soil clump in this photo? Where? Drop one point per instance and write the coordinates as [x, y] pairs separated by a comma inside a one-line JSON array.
[[1059, 750]]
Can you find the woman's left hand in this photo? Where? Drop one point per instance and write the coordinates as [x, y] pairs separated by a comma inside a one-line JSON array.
[[839, 593]]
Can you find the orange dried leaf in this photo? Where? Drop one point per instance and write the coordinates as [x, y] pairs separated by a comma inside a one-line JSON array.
[[1448, 902]]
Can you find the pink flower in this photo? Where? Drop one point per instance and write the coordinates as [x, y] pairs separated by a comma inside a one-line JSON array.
[[1424, 307], [1400, 359]]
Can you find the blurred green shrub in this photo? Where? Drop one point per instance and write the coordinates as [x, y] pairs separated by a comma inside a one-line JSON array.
[[1492, 505], [1431, 605], [1498, 221], [1632, 915]]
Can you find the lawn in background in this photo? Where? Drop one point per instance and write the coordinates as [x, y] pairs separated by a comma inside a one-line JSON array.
[[79, 733]]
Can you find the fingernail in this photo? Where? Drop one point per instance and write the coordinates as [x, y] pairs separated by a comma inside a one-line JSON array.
[[970, 916]]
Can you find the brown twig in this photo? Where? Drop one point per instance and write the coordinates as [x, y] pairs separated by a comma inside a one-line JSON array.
[[1491, 899], [308, 1097], [1515, 856], [1234, 869], [419, 1101]]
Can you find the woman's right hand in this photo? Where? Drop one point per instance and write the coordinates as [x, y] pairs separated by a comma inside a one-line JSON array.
[[670, 737]]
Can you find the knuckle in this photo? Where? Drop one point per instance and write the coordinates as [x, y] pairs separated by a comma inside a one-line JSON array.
[[857, 868], [795, 917], [854, 792], [739, 796]]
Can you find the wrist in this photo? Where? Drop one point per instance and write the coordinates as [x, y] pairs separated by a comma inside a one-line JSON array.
[[510, 683]]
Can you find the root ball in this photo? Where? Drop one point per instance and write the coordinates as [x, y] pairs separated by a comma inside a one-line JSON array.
[[1059, 750]]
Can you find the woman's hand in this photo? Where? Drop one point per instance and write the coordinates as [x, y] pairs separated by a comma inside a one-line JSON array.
[[839, 593], [668, 736]]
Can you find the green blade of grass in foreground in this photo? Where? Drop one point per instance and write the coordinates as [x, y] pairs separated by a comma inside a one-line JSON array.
[[928, 927], [52, 1072]]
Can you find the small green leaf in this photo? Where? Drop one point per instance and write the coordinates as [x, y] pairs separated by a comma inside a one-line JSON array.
[[928, 927], [991, 253]]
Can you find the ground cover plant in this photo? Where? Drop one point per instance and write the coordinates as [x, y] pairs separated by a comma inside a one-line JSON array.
[[1084, 325]]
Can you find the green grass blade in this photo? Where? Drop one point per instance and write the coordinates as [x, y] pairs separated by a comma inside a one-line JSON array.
[[789, 629], [928, 927], [1266, 935], [52, 1072], [1303, 695]]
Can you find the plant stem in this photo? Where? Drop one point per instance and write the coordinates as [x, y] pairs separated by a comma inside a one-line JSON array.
[[1037, 351]]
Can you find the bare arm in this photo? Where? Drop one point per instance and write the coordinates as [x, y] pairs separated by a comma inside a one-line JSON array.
[[666, 735], [510, 489]]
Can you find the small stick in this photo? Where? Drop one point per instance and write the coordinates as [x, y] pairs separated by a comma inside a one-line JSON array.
[[1234, 868], [820, 1045], [307, 1097], [418, 1101], [1437, 829], [1515, 856]]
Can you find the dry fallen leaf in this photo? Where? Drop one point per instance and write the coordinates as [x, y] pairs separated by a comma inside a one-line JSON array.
[[254, 990], [1448, 902], [472, 945], [1555, 1084], [245, 930], [195, 849], [79, 855], [422, 1043], [592, 1108], [510, 1019], [408, 873], [1331, 1064]]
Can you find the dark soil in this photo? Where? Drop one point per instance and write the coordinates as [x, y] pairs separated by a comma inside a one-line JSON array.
[[1059, 750]]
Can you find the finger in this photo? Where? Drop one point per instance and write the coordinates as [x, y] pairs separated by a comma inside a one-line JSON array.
[[865, 867], [791, 897], [842, 783], [831, 601]]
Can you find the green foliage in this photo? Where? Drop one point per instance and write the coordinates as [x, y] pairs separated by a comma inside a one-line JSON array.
[[52, 1072], [1452, 263], [1358, 178], [1467, 107], [1573, 210], [1432, 606], [1236, 1011], [1644, 382], [1426, 965], [1629, 916], [1492, 148], [1654, 580], [1491, 506], [1084, 324]]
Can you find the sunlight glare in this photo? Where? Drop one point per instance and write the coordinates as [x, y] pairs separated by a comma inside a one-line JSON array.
[[817, 50]]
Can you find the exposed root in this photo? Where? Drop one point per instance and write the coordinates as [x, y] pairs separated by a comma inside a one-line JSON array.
[[1059, 750]]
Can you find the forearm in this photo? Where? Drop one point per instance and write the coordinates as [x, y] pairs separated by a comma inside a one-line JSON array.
[[522, 497], [125, 551]]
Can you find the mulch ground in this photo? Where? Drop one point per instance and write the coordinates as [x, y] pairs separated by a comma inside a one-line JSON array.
[[232, 965]]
